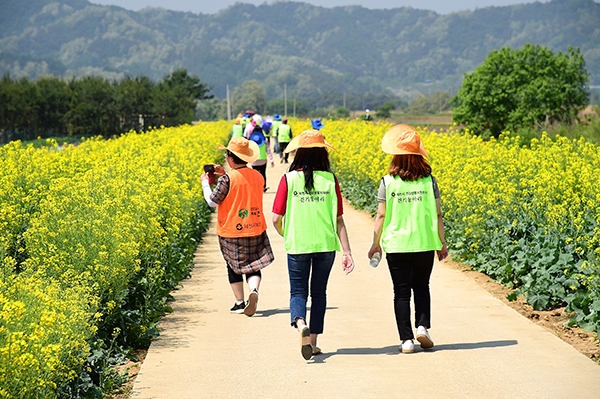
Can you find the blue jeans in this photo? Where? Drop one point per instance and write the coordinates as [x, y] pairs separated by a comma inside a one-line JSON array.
[[317, 266]]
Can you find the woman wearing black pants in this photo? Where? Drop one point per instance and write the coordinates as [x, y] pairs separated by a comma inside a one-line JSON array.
[[410, 228]]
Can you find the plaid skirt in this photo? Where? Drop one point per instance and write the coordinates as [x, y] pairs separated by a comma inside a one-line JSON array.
[[247, 254]]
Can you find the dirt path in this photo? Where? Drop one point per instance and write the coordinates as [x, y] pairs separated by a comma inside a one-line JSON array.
[[484, 349]]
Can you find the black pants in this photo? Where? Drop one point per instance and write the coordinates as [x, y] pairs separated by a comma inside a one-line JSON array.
[[411, 271], [263, 171], [239, 278], [282, 147]]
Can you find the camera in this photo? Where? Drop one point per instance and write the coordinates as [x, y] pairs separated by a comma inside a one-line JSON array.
[[210, 169]]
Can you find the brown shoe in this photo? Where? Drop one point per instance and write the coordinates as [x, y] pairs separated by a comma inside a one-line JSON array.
[[316, 350], [305, 347]]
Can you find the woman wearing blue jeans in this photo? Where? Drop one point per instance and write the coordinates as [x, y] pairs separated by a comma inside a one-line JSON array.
[[307, 212]]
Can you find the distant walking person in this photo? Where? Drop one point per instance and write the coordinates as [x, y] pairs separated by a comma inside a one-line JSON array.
[[241, 225], [274, 128], [307, 212], [264, 152], [284, 135], [410, 227], [237, 130]]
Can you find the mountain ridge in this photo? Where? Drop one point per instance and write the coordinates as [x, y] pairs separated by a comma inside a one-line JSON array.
[[310, 49]]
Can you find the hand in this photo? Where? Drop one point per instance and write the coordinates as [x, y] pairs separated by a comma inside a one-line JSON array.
[[219, 171], [374, 249], [347, 263], [443, 253], [203, 176]]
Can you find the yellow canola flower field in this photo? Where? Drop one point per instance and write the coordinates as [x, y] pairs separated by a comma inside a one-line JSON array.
[[94, 237], [527, 216]]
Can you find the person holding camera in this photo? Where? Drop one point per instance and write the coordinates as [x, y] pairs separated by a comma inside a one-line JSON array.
[[241, 225], [410, 228], [307, 212]]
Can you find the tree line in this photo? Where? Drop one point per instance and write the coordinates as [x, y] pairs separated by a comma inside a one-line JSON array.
[[252, 95], [97, 106]]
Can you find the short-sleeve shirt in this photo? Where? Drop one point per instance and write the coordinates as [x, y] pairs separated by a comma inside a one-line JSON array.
[[381, 192], [280, 203]]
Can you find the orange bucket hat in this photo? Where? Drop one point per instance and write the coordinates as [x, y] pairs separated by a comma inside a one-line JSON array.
[[310, 138], [402, 139], [245, 149]]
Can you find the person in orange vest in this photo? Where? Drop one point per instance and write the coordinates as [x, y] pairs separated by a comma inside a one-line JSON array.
[[241, 226]]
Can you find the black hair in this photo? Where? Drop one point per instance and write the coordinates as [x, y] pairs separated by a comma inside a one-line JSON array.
[[309, 160], [235, 158]]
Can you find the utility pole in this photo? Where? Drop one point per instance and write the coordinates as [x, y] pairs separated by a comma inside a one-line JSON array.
[[344, 99], [285, 98], [228, 105], [294, 104]]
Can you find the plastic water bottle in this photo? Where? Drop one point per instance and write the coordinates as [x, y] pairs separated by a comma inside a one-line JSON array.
[[375, 259]]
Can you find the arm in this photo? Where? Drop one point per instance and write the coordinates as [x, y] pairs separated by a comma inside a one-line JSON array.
[[206, 190], [220, 191], [280, 205], [347, 261], [277, 223], [379, 219], [442, 253], [270, 154]]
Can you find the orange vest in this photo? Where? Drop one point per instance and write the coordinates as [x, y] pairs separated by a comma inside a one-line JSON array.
[[241, 212]]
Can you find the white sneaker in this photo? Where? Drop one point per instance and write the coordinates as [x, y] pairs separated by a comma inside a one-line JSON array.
[[407, 346], [424, 338]]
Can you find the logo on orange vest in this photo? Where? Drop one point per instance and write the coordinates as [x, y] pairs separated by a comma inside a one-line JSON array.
[[243, 213], [239, 226]]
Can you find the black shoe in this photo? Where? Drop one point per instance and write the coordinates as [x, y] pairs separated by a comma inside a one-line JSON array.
[[238, 308]]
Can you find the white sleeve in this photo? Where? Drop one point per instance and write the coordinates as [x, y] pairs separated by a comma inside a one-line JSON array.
[[207, 192]]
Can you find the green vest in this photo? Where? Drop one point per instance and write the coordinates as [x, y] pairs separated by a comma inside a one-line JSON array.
[[274, 126], [310, 220], [411, 223], [263, 152], [237, 131], [284, 133]]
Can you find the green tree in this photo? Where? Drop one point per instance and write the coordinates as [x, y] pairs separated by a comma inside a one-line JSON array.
[[18, 104], [530, 87], [278, 107], [385, 110], [421, 105], [134, 97], [92, 109], [211, 110], [342, 112], [176, 97], [53, 102], [252, 95]]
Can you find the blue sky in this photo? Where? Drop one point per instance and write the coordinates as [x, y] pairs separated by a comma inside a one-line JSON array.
[[212, 6]]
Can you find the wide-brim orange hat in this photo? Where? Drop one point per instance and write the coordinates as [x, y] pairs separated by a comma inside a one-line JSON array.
[[310, 138], [246, 150], [403, 139]]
